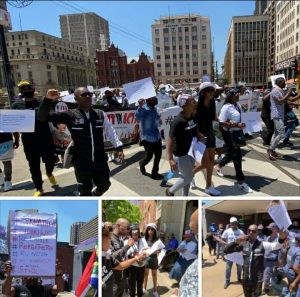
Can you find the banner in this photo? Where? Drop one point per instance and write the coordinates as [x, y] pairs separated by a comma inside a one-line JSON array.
[[142, 88], [12, 120], [33, 243]]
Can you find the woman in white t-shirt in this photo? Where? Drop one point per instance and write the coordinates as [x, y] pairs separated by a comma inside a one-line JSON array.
[[230, 120]]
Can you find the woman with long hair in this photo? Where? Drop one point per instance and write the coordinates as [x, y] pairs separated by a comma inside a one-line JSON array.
[[151, 237], [230, 121], [206, 115]]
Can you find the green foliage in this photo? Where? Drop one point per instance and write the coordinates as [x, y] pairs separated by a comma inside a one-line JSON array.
[[115, 209]]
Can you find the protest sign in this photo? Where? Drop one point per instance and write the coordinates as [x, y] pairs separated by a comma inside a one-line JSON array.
[[167, 116], [244, 101], [90, 89], [235, 258], [197, 150], [252, 121], [273, 78], [33, 243], [12, 120], [69, 98], [157, 246], [279, 214], [142, 88], [254, 101]]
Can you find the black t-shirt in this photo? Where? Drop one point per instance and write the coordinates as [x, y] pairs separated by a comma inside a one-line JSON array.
[[266, 109], [107, 277], [4, 137], [34, 291], [182, 132], [205, 118]]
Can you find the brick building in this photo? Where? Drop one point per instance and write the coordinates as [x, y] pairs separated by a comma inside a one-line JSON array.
[[113, 70], [65, 254]]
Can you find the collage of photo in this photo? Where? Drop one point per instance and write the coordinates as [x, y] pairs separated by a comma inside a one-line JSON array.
[[146, 129]]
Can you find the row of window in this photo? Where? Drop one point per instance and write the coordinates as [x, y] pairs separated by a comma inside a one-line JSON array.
[[251, 26], [204, 63], [180, 38], [180, 29], [180, 47], [172, 21], [182, 72]]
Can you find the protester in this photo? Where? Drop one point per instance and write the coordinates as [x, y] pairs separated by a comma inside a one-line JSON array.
[[110, 263], [270, 258], [230, 122], [163, 98], [253, 254], [230, 235], [38, 144], [210, 238], [31, 286], [173, 243], [86, 126], [260, 233], [182, 131], [111, 100], [151, 237], [206, 115], [188, 253], [266, 117], [65, 277], [291, 123], [278, 99], [219, 244], [150, 136]]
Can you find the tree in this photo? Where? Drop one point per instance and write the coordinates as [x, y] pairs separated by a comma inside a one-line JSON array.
[[115, 209]]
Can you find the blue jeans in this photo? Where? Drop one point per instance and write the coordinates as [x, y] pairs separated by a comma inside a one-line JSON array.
[[269, 266], [289, 130], [228, 270], [219, 249]]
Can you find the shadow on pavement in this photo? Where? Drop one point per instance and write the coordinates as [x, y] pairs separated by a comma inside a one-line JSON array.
[[206, 264]]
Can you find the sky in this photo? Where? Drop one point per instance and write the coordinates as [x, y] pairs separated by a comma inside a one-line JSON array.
[[130, 21], [68, 212]]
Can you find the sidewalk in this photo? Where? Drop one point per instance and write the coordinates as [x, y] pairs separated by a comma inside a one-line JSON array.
[[213, 272]]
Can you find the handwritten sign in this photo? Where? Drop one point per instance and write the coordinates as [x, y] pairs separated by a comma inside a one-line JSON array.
[[17, 120], [280, 215], [33, 243], [252, 121], [167, 116], [197, 150], [142, 88]]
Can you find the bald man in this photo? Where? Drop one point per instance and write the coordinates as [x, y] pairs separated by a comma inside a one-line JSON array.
[[253, 252], [119, 253], [86, 126]]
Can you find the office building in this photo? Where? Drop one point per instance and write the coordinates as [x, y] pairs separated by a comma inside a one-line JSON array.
[[74, 233], [181, 48]]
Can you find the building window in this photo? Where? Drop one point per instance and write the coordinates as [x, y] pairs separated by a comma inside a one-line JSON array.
[[297, 36], [203, 37], [29, 66], [158, 65], [194, 29], [166, 30], [167, 65], [186, 29], [203, 46], [157, 40], [204, 63], [159, 73], [187, 47], [30, 77], [174, 56], [48, 66], [12, 37], [203, 28], [195, 71], [158, 57], [20, 43], [180, 47], [156, 31], [194, 37], [158, 49], [167, 48], [167, 57], [180, 29], [49, 74], [28, 50], [195, 63], [204, 71], [194, 46], [12, 52]]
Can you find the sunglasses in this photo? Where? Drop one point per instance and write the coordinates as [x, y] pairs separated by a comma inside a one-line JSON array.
[[252, 231], [87, 94], [151, 229]]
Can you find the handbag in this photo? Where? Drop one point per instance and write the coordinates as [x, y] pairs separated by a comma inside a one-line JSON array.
[[238, 138], [68, 156]]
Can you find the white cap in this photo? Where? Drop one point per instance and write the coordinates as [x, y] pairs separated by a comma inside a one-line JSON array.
[[205, 85], [182, 99], [161, 86], [152, 225], [217, 87], [233, 219]]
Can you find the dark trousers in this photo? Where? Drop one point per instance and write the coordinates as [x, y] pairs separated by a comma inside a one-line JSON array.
[[87, 177], [119, 287], [233, 154], [267, 135], [152, 148], [135, 280], [252, 288], [34, 160]]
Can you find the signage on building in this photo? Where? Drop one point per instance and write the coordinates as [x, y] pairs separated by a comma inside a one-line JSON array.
[[285, 64], [5, 20]]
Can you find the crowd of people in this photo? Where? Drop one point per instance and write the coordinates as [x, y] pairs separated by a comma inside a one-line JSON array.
[[79, 132], [269, 255], [130, 255]]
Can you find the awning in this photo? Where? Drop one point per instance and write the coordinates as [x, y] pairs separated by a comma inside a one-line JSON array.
[[291, 81]]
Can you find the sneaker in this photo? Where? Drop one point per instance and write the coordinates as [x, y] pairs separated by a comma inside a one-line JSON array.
[[168, 193], [157, 176], [271, 155], [145, 291], [52, 180], [288, 143], [226, 285], [212, 191], [218, 170], [155, 294], [244, 187], [38, 193], [142, 168], [7, 186]]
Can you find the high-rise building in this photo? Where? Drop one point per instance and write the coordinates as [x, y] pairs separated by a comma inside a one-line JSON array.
[[246, 55], [181, 48], [260, 6], [74, 233], [48, 61], [88, 230], [85, 29], [287, 37]]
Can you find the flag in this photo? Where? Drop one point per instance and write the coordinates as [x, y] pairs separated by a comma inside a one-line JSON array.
[[88, 283]]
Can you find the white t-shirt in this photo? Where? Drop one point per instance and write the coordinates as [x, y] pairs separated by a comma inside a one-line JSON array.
[[230, 112], [189, 250], [230, 235]]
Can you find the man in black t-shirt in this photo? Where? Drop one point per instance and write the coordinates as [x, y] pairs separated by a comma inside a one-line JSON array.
[[31, 287]]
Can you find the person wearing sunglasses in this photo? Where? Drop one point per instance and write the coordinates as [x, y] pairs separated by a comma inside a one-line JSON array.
[[253, 252], [87, 126]]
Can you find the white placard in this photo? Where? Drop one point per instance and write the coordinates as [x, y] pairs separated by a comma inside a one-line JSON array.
[[273, 78], [252, 121], [33, 243], [158, 245], [244, 101], [197, 150], [13, 120], [236, 257], [69, 98], [142, 88], [161, 256], [102, 90], [254, 101], [63, 93], [280, 215], [90, 89]]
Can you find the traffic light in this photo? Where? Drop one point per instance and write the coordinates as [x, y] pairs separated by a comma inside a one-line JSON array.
[[293, 64]]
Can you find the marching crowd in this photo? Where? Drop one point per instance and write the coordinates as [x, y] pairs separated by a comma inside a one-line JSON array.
[[269, 255], [128, 256], [80, 133]]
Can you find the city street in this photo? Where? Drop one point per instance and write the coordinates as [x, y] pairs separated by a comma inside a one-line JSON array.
[[265, 177], [213, 272]]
